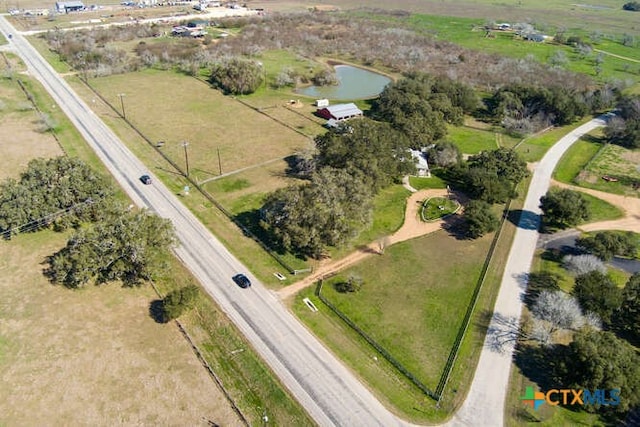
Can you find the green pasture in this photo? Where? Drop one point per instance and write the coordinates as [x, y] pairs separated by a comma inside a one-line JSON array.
[[245, 190], [468, 32], [601, 210], [419, 289], [421, 183], [388, 215], [575, 159], [438, 207], [472, 141]]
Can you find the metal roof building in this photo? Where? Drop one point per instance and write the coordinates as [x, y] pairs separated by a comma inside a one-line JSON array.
[[69, 6], [340, 111]]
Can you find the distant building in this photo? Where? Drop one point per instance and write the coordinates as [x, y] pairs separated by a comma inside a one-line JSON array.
[[422, 166], [534, 37], [320, 103], [340, 112], [69, 6]]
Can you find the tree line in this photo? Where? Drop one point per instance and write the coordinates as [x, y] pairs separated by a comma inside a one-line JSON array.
[[60, 192], [109, 242], [364, 38], [604, 323], [349, 167], [355, 161]]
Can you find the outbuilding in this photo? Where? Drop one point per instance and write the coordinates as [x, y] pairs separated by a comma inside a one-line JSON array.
[[422, 166], [69, 6], [340, 112]]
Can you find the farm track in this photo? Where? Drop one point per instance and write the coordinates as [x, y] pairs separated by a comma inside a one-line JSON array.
[[629, 205], [412, 227]]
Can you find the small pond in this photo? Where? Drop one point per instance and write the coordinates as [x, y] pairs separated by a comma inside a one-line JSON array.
[[354, 83]]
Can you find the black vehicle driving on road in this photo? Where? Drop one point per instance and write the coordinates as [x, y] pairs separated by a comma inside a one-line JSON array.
[[242, 280]]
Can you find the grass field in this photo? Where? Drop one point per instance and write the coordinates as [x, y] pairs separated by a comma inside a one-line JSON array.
[[437, 207], [575, 159], [406, 293], [468, 33], [614, 161], [79, 357], [191, 120], [19, 122], [420, 183], [210, 122], [601, 210], [589, 159], [547, 14], [114, 312]]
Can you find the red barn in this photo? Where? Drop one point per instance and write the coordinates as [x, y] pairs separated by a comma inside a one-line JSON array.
[[340, 111]]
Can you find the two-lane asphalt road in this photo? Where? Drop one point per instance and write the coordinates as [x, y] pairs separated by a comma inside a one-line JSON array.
[[328, 391]]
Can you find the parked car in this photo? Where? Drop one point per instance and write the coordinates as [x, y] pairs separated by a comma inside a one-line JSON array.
[[242, 280], [146, 179]]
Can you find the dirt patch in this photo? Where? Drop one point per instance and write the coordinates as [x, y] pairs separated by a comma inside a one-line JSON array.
[[632, 157], [20, 142], [94, 356]]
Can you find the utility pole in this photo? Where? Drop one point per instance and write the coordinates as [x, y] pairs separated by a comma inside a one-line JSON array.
[[121, 96], [186, 156]]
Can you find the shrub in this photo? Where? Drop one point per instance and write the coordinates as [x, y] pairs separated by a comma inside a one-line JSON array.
[[353, 284], [583, 264], [179, 301]]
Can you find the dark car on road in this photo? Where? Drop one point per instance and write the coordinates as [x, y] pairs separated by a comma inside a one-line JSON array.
[[146, 179], [242, 280]]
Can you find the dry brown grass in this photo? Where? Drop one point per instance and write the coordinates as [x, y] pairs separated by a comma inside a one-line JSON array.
[[91, 357], [175, 108], [20, 140], [94, 356]]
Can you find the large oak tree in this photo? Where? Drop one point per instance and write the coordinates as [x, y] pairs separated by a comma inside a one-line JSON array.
[[126, 247], [334, 207]]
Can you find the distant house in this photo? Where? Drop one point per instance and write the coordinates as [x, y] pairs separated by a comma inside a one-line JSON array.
[[184, 31], [422, 166], [69, 6], [534, 37], [340, 112]]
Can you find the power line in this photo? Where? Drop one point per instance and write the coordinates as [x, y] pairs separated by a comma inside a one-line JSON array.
[[34, 224]]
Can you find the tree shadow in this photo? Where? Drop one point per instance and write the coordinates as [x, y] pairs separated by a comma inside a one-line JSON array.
[[502, 333], [455, 226], [524, 219], [156, 311], [367, 250], [534, 363]]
